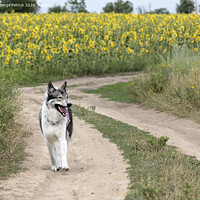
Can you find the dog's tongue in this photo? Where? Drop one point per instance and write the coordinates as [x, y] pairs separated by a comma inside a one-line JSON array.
[[65, 110]]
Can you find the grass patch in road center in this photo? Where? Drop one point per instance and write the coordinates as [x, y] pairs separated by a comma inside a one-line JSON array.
[[116, 92], [157, 171]]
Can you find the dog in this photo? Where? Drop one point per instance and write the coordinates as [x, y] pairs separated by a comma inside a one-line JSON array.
[[56, 124]]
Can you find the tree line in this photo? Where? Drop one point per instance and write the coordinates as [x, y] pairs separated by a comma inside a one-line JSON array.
[[76, 6]]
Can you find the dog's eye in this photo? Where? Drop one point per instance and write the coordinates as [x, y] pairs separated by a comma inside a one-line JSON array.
[[60, 98]]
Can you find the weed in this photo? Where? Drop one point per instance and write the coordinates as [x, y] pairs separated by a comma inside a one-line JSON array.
[[11, 134], [172, 86]]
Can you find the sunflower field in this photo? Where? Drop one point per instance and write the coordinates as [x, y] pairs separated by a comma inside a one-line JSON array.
[[83, 44]]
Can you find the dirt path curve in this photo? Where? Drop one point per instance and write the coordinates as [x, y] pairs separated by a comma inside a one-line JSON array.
[[97, 168], [182, 133]]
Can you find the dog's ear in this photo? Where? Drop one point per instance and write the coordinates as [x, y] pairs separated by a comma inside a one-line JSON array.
[[64, 85], [51, 88]]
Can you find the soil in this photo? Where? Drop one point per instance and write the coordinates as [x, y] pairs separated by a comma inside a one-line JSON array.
[[97, 167]]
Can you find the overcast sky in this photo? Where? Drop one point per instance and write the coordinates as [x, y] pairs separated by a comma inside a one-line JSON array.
[[97, 5]]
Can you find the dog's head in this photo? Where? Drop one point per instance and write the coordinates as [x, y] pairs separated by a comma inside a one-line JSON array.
[[58, 98]]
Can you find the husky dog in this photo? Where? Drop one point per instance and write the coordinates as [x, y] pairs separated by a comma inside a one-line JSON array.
[[56, 124]]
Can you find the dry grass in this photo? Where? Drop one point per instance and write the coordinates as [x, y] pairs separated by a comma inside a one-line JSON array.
[[173, 86]]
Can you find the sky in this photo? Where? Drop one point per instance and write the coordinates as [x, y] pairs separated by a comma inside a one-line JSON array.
[[97, 5]]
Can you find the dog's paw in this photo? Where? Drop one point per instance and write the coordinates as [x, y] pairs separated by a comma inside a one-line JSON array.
[[65, 167], [54, 168], [58, 165]]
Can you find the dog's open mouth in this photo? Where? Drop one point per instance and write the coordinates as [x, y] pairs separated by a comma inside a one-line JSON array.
[[63, 110]]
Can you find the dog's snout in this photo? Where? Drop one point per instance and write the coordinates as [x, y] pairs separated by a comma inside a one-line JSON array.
[[69, 104]]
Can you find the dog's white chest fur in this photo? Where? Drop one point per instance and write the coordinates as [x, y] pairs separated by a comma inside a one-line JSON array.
[[53, 124]]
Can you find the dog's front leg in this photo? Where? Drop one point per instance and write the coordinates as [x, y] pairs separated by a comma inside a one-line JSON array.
[[63, 147], [58, 161], [51, 148]]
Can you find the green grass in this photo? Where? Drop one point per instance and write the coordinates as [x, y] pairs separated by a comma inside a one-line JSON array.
[[11, 134], [157, 171], [172, 86], [32, 78], [116, 92], [12, 151], [62, 70]]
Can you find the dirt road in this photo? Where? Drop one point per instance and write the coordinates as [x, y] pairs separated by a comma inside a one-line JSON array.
[[97, 168]]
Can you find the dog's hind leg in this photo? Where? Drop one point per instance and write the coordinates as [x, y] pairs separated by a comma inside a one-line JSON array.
[[63, 148], [51, 148], [68, 139]]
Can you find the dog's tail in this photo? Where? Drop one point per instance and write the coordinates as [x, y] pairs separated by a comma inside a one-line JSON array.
[[70, 125]]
